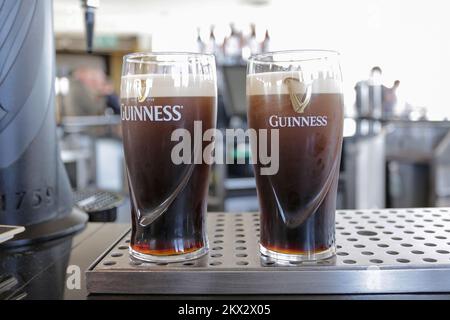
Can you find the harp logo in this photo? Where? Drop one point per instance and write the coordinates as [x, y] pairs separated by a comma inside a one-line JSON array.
[[294, 85], [142, 88]]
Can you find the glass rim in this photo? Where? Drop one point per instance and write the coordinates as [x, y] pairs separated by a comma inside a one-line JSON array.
[[137, 55], [321, 54]]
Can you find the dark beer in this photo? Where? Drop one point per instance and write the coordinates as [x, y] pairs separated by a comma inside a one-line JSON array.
[[154, 177], [168, 199], [298, 203]]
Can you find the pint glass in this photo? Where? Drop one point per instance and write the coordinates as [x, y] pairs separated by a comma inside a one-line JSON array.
[[298, 94], [166, 99]]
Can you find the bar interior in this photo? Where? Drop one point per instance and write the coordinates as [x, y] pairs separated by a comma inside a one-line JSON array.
[[90, 205]]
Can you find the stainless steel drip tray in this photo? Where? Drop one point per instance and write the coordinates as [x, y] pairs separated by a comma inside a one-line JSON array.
[[378, 251]]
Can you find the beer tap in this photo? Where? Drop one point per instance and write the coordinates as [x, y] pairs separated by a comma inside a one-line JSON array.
[[89, 20], [35, 191]]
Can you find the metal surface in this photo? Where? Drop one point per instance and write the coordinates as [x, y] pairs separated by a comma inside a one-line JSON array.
[[379, 251], [51, 229]]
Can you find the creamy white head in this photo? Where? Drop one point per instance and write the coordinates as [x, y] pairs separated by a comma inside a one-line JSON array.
[[275, 83], [167, 85]]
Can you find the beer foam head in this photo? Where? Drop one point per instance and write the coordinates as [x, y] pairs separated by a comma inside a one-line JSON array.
[[282, 82], [167, 85]]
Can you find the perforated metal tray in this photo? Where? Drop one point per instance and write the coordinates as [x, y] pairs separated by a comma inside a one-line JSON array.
[[378, 251]]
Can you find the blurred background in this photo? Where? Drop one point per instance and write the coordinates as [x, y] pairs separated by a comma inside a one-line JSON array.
[[395, 63]]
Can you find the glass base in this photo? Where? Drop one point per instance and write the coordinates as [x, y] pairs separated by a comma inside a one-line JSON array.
[[292, 258], [170, 258]]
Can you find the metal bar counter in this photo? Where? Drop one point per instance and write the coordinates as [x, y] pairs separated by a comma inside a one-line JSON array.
[[378, 252]]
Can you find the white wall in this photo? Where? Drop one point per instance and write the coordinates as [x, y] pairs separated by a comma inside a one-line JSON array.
[[409, 40]]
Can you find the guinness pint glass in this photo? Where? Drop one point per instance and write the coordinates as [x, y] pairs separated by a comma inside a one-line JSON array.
[[299, 94], [165, 98]]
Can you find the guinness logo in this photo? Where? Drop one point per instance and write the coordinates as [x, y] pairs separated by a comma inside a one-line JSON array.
[[294, 85], [142, 88]]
